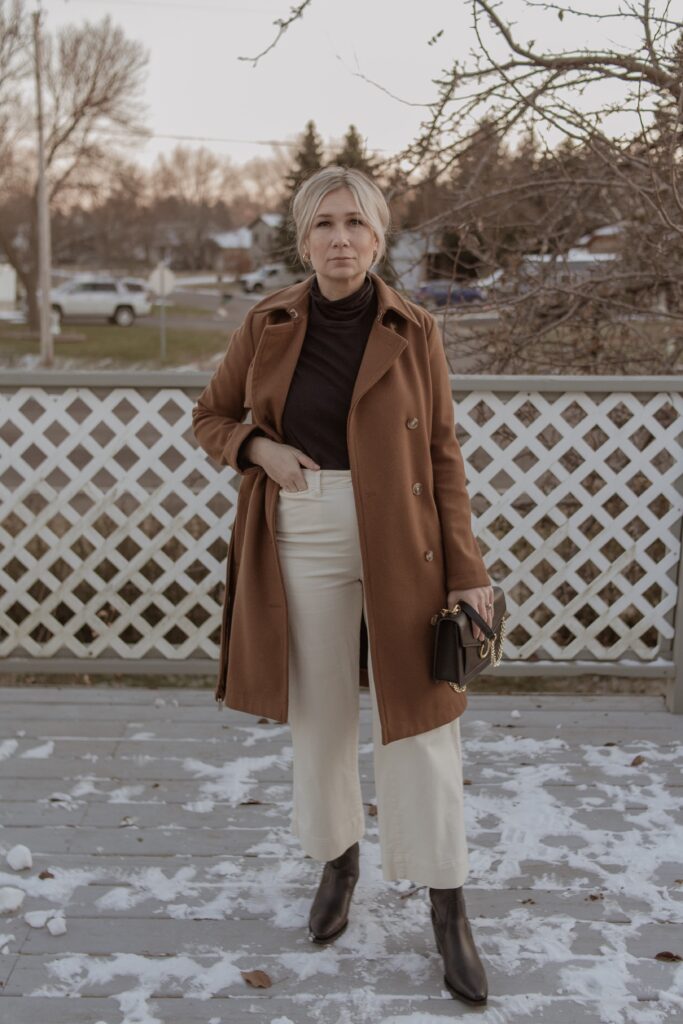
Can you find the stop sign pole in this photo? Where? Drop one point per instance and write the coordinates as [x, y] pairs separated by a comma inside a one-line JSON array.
[[162, 282]]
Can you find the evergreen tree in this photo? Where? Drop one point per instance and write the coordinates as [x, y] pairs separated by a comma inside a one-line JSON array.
[[307, 159], [352, 153]]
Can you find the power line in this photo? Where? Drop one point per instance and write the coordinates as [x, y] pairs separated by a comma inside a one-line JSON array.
[[144, 136], [211, 138]]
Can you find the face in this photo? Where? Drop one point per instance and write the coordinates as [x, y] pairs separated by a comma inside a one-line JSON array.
[[341, 244]]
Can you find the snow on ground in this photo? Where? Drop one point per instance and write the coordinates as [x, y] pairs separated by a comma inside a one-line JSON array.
[[572, 880]]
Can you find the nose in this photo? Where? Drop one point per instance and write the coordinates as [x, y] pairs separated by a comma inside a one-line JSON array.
[[340, 237]]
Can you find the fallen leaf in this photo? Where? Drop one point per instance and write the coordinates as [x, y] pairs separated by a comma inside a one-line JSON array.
[[669, 957], [638, 759], [45, 874], [595, 896], [372, 810], [529, 899], [251, 800], [258, 979], [467, 782], [610, 743]]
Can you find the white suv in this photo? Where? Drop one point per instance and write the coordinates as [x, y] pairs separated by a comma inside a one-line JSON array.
[[272, 275], [100, 297]]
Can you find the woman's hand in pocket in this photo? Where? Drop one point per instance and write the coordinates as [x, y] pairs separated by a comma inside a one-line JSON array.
[[282, 462]]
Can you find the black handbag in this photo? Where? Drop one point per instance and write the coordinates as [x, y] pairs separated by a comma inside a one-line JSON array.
[[458, 657]]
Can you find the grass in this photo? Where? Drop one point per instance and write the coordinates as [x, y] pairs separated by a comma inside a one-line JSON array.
[[139, 343], [194, 311]]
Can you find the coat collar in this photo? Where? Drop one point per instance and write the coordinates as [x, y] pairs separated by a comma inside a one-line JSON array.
[[294, 299]]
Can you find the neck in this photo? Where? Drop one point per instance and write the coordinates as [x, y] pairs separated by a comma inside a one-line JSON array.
[[332, 289]]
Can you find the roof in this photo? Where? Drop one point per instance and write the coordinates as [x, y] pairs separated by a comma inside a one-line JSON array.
[[272, 220], [239, 239], [606, 231]]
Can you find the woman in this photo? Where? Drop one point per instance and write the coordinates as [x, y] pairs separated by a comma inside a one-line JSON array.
[[352, 506]]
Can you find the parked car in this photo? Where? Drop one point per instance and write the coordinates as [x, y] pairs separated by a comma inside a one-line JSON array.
[[446, 293], [100, 297], [136, 284], [271, 275]]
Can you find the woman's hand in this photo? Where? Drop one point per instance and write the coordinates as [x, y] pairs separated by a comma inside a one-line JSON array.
[[281, 462], [481, 599]]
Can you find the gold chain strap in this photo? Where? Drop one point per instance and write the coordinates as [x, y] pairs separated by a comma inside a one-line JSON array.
[[486, 646]]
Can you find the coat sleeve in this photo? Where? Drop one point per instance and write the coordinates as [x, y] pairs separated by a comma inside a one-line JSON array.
[[464, 563], [218, 413]]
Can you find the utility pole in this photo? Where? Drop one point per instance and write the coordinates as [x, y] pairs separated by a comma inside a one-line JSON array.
[[44, 258]]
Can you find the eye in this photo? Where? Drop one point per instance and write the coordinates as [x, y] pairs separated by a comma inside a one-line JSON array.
[[320, 223], [356, 220]]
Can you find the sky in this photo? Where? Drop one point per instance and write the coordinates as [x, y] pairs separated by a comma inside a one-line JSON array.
[[197, 87]]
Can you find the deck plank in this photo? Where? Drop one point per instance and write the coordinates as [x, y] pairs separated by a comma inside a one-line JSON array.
[[164, 825]]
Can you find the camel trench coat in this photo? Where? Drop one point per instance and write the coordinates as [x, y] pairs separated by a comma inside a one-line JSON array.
[[410, 491]]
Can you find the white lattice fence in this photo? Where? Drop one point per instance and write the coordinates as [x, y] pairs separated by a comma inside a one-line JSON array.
[[114, 524]]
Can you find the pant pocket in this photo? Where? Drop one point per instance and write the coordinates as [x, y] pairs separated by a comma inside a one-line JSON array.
[[293, 494]]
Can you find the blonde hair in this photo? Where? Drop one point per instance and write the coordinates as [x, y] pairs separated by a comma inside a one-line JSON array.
[[309, 195]]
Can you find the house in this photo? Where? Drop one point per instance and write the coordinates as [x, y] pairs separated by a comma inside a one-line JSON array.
[[411, 254], [229, 252], [264, 230]]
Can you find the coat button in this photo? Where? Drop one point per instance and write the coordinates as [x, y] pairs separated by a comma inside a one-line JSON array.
[[434, 619], [417, 488], [411, 424], [429, 555]]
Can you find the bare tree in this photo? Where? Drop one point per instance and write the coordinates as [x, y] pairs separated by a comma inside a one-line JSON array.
[[15, 67], [627, 316], [93, 76]]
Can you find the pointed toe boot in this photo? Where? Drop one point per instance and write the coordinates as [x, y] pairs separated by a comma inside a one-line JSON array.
[[464, 977], [330, 908]]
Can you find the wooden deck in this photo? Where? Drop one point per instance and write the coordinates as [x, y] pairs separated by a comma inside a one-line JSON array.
[[164, 824]]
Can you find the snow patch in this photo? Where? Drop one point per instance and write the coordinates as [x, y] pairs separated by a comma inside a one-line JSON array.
[[44, 750]]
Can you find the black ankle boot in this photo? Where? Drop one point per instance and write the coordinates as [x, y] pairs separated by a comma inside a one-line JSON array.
[[329, 912], [464, 975]]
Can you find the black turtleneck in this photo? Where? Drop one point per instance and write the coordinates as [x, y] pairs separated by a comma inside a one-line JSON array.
[[317, 405]]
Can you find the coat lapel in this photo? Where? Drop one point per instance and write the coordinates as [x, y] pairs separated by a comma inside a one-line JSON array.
[[274, 363], [280, 346], [383, 346]]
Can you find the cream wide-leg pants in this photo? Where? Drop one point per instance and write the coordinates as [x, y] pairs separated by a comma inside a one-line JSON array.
[[418, 779]]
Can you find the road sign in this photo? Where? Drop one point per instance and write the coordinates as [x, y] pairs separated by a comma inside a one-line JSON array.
[[162, 280]]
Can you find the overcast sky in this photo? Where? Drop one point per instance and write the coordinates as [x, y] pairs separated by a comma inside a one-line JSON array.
[[197, 86]]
